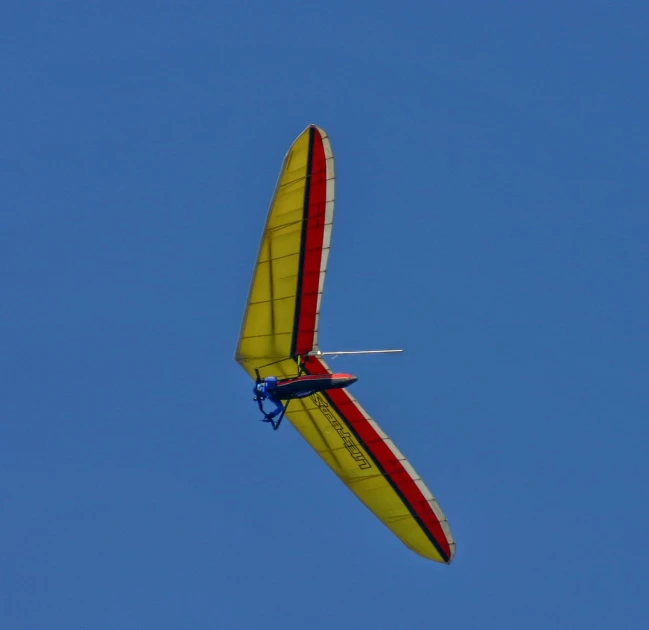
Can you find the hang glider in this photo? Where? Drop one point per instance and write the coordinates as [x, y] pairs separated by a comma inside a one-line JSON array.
[[278, 347]]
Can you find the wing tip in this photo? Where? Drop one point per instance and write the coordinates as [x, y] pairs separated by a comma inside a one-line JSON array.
[[451, 544], [317, 128]]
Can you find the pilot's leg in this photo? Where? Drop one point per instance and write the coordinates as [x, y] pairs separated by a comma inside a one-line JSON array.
[[278, 409]]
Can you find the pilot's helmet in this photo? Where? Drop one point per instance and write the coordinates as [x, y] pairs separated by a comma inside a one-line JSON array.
[[271, 382]]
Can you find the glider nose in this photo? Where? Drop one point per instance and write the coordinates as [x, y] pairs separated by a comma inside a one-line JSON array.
[[344, 380]]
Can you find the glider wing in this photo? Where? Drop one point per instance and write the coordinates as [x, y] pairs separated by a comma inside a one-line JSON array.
[[372, 467], [281, 319]]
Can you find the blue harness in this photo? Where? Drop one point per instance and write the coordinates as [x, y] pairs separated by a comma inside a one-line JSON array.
[[264, 391]]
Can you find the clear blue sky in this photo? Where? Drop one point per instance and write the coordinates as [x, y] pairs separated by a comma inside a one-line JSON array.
[[491, 219]]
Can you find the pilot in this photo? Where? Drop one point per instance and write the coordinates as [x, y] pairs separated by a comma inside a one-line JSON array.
[[264, 391]]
